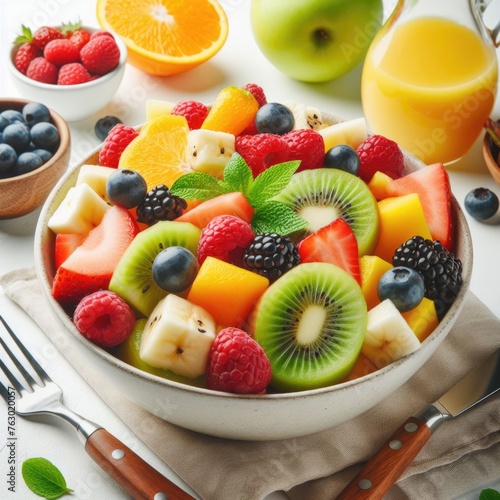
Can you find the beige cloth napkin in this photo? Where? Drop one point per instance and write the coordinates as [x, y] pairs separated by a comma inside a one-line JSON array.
[[463, 453]]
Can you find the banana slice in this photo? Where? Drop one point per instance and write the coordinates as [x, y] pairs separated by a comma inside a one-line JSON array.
[[305, 116], [209, 150], [81, 210], [351, 132], [95, 176], [178, 337], [388, 336], [158, 107]]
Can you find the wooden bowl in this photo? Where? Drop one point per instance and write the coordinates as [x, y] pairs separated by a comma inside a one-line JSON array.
[[491, 154], [24, 193]]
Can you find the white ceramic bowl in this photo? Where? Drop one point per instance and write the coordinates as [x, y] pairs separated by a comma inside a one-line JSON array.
[[248, 417], [72, 102]]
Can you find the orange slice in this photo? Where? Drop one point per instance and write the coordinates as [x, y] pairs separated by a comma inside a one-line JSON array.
[[233, 110], [159, 152], [166, 37]]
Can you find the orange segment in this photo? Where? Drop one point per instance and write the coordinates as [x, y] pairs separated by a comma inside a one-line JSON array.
[[165, 37], [159, 152], [233, 110]]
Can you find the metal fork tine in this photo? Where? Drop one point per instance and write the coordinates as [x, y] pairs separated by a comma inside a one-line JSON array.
[[12, 379], [3, 390], [33, 362]]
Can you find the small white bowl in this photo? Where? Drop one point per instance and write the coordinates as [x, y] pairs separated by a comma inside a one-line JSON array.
[[72, 102]]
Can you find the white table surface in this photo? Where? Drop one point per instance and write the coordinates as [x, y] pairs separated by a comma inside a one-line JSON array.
[[238, 63]]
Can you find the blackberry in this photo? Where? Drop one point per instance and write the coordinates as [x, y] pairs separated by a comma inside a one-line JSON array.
[[160, 204], [441, 270], [271, 255]]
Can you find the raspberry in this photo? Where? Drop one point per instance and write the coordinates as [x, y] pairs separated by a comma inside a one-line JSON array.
[[307, 146], [382, 154], [261, 151], [72, 74], [104, 318], [79, 38], [100, 55], [42, 70], [46, 34], [237, 364], [101, 33], [257, 92], [195, 112], [60, 52], [119, 137], [24, 55], [225, 237]]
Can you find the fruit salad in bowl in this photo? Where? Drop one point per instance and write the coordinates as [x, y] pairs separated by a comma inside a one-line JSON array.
[[265, 267]]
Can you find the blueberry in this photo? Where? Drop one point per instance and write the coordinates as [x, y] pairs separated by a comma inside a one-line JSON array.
[[174, 269], [13, 116], [104, 125], [343, 157], [3, 122], [17, 135], [481, 203], [43, 154], [27, 162], [8, 158], [403, 286], [45, 136], [36, 112], [274, 118], [126, 188]]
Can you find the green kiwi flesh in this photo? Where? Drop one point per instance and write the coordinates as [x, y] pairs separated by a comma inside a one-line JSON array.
[[133, 279], [311, 324], [128, 351], [321, 195]]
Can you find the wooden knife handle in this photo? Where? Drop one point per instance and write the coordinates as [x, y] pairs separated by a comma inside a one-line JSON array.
[[128, 469], [378, 475]]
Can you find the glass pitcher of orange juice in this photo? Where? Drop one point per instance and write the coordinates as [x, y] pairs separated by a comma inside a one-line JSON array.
[[430, 77]]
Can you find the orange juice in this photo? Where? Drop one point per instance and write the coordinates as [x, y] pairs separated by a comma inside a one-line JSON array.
[[429, 84]]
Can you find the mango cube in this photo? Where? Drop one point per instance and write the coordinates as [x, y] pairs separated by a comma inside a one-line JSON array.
[[372, 268], [226, 291], [401, 218], [422, 319]]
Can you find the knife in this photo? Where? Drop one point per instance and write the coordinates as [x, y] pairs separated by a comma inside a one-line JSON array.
[[379, 474]]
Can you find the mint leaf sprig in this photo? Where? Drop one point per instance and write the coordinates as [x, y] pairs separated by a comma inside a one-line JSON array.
[[269, 215], [43, 478]]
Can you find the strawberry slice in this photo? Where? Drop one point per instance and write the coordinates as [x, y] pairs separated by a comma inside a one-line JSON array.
[[90, 267], [334, 243], [225, 204], [432, 185], [66, 244]]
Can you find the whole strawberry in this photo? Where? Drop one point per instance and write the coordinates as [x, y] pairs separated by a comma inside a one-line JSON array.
[[73, 74], [61, 51], [24, 55], [225, 237], [237, 364], [42, 70], [307, 146], [261, 151], [382, 154], [119, 137], [100, 55], [104, 318], [195, 112]]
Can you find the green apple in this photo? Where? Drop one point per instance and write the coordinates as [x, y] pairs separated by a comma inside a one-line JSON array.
[[315, 40]]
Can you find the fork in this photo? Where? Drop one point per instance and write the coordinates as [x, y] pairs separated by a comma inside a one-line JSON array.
[[126, 467]]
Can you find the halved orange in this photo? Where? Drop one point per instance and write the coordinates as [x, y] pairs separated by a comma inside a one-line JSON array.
[[165, 37], [159, 153]]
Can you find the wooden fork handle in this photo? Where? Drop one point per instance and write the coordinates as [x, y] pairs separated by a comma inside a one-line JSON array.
[[378, 475], [126, 467]]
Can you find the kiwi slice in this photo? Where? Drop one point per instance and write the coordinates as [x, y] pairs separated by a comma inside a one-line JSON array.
[[128, 351], [311, 324], [321, 195], [133, 279]]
